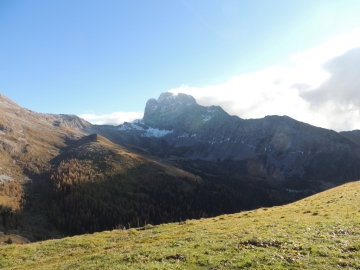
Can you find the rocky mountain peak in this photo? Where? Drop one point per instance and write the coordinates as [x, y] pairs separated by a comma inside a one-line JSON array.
[[163, 111], [176, 99], [169, 101]]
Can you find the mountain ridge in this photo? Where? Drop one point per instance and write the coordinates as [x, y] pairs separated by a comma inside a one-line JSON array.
[[279, 146], [282, 147]]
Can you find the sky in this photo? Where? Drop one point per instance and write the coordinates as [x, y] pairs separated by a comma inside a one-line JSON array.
[[102, 60]]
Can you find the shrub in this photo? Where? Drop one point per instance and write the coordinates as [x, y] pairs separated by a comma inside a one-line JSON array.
[[9, 241]]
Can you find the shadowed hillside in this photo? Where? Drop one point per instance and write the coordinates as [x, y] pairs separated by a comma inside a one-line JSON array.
[[97, 185]]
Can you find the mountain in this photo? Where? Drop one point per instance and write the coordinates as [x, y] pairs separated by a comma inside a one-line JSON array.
[[353, 135], [60, 178], [276, 148], [61, 175], [28, 140], [319, 232]]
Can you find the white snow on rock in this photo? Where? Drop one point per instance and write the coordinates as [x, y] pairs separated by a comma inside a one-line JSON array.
[[154, 132], [211, 109], [130, 126], [206, 118], [150, 132], [183, 136]]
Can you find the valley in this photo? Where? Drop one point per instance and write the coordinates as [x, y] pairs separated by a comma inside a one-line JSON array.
[[62, 176]]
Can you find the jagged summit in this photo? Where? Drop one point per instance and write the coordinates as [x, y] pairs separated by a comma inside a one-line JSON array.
[[167, 108], [169, 100], [178, 110], [180, 98]]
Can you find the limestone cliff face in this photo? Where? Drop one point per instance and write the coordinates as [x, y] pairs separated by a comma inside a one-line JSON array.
[[191, 124], [182, 114], [165, 111]]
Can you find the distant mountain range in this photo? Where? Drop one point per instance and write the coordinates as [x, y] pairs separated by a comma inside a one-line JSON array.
[[59, 174], [276, 148]]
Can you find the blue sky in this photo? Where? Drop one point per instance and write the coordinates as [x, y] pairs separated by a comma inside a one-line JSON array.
[[105, 59]]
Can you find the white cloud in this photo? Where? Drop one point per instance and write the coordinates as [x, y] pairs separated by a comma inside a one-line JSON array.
[[115, 119], [296, 90]]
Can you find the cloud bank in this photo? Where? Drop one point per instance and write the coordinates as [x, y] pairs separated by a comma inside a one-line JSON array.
[[320, 88], [115, 119]]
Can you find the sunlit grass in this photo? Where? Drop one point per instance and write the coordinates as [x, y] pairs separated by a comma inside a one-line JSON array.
[[319, 232]]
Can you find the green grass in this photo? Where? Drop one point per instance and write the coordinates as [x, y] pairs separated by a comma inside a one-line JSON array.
[[319, 232]]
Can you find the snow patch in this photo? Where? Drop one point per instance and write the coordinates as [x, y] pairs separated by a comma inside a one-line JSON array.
[[206, 118], [130, 126], [154, 132], [211, 110], [183, 136], [187, 136]]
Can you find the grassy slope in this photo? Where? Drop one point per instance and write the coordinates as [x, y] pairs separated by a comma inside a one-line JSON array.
[[319, 232]]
